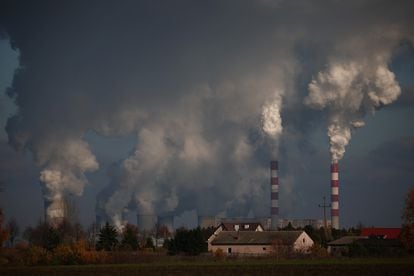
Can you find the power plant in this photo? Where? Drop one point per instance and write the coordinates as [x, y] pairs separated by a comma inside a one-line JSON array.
[[55, 210]]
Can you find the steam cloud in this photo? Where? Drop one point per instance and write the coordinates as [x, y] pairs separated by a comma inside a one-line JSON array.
[[198, 91], [350, 88]]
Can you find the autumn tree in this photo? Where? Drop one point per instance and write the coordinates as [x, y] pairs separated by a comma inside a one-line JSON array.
[[407, 232]]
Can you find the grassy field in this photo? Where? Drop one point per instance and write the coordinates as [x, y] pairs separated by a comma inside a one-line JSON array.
[[400, 266]]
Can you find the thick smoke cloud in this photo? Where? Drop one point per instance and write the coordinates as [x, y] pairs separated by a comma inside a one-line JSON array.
[[355, 85], [205, 86]]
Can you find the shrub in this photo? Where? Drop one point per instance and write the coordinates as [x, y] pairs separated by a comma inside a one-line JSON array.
[[65, 255], [318, 251], [36, 255]]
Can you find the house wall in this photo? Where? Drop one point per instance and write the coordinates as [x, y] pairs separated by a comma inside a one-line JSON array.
[[242, 249], [303, 243]]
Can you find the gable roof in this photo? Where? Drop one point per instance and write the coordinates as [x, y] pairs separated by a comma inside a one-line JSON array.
[[347, 240], [386, 233], [242, 226], [255, 238]]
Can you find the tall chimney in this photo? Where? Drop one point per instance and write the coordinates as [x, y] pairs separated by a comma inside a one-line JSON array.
[[335, 195], [274, 196]]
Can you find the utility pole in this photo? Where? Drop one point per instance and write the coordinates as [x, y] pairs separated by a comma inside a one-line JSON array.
[[324, 206]]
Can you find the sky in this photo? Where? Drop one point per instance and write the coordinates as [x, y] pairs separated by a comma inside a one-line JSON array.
[[177, 107]]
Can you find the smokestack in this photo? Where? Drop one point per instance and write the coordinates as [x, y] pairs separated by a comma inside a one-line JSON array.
[[335, 195], [274, 196]]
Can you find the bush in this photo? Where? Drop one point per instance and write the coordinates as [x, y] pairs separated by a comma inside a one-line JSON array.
[[36, 255], [318, 251], [65, 255]]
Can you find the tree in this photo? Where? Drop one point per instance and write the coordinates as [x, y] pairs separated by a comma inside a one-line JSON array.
[[14, 230], [107, 238], [163, 232], [3, 232], [189, 242], [313, 234], [130, 237], [91, 236], [407, 231], [149, 243]]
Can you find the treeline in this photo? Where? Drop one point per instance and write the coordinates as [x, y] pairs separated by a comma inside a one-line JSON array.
[[68, 243]]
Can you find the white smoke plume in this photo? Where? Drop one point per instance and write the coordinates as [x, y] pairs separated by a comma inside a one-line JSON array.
[[349, 89], [271, 120], [175, 157], [65, 165], [198, 91]]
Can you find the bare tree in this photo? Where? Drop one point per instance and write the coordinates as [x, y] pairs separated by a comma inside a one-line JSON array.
[[91, 236], [14, 230]]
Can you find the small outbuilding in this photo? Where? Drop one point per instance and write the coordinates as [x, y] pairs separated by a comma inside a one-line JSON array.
[[260, 242], [340, 246]]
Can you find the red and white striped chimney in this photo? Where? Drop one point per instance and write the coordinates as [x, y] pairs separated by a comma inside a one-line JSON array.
[[335, 195], [274, 196]]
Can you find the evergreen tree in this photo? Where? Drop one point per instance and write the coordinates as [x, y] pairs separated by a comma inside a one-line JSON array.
[[130, 237], [107, 238], [190, 242]]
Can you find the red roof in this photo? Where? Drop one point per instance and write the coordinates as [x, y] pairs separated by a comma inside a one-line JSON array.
[[387, 233]]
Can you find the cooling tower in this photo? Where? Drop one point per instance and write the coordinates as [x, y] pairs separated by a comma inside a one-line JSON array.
[[54, 211], [167, 221], [146, 222], [335, 195], [274, 196]]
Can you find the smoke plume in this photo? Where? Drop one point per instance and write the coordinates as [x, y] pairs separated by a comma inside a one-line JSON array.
[[352, 87], [203, 86]]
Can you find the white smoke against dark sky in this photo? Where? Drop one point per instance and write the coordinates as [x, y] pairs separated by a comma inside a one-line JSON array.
[[206, 94], [351, 87]]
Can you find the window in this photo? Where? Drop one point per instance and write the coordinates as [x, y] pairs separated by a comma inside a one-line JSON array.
[[264, 248], [229, 250], [303, 240]]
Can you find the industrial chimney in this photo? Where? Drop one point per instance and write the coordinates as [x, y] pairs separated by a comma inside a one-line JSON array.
[[274, 196], [335, 195]]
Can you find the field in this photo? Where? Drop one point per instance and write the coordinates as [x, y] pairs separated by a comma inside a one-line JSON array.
[[379, 266]]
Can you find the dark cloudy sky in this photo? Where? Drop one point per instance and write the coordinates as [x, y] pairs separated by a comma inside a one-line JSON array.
[[178, 106]]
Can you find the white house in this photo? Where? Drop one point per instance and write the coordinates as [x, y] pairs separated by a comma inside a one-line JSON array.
[[259, 242]]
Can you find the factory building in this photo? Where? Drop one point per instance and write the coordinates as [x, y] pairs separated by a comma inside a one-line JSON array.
[[301, 223]]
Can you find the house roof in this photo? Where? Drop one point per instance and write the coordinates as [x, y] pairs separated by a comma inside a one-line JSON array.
[[255, 238], [386, 233], [347, 240], [242, 226]]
